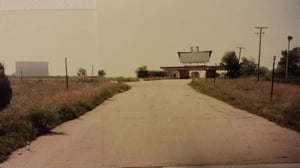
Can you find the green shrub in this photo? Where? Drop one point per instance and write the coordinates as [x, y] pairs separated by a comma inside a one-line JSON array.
[[106, 94], [22, 127], [14, 135], [43, 121], [66, 113], [5, 149], [86, 106], [292, 116], [5, 89], [10, 143]]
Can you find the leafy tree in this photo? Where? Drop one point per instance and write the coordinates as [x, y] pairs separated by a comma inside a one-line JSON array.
[[248, 67], [101, 73], [294, 63], [81, 72], [142, 72], [232, 62], [5, 89], [263, 71]]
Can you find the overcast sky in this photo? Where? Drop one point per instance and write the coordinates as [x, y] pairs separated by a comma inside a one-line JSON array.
[[132, 33], [46, 4]]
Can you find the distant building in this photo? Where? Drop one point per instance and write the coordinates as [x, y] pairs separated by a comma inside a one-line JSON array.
[[32, 69], [156, 73], [194, 57]]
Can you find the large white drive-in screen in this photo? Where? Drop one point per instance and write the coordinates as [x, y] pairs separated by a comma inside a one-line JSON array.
[[31, 69], [194, 57]]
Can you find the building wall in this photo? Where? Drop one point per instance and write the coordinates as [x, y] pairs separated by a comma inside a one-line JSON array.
[[32, 69], [157, 73]]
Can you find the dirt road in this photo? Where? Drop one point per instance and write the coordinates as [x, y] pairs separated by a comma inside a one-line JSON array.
[[160, 123]]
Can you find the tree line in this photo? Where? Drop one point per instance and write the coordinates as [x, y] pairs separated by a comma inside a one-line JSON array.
[[248, 67], [82, 72]]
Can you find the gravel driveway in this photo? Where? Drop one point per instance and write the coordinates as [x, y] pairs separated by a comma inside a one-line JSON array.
[[160, 123]]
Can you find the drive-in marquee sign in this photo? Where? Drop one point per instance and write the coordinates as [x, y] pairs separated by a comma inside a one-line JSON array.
[[194, 57]]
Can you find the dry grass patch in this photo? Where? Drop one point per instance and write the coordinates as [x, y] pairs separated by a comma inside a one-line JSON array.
[[38, 105], [253, 96]]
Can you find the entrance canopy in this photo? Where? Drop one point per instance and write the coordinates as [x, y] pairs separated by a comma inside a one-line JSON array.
[[184, 71]]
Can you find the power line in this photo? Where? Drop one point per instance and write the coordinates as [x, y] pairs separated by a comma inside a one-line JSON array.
[[259, 49]]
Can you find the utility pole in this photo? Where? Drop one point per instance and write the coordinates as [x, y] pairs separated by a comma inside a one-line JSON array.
[[240, 52], [287, 57], [259, 49], [215, 74], [22, 74], [92, 74], [67, 80], [273, 73]]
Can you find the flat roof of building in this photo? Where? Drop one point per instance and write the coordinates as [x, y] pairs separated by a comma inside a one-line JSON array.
[[193, 68]]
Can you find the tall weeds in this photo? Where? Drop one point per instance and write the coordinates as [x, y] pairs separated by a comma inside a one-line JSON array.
[[38, 105], [253, 96]]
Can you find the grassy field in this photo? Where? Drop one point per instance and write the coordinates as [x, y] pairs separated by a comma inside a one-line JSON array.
[[253, 96], [40, 104], [154, 78], [123, 79]]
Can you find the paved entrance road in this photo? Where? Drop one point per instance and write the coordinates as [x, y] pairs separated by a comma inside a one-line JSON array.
[[161, 123]]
